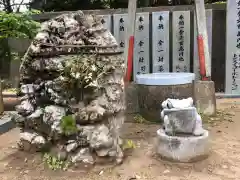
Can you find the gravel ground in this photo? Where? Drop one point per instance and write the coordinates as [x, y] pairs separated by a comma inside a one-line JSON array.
[[222, 164]]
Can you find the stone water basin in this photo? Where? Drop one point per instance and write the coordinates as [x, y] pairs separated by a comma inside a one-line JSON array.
[[182, 148], [154, 88]]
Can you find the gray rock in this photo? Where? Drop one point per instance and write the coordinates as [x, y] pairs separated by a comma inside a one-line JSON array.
[[28, 88], [71, 147], [36, 114], [83, 155], [86, 131], [33, 137], [16, 117], [111, 152], [31, 140], [101, 138], [25, 107], [53, 114], [58, 85]]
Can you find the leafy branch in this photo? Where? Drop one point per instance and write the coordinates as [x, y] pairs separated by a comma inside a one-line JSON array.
[[18, 25]]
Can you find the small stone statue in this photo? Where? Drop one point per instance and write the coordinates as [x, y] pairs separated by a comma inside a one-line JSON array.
[[180, 116], [176, 103]]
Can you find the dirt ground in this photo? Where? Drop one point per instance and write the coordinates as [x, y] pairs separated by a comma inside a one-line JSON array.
[[222, 164]]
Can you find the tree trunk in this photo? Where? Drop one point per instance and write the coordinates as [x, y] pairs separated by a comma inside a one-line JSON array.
[[7, 6], [1, 98]]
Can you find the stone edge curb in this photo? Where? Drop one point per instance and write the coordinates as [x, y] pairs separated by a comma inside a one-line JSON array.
[[9, 94], [227, 96], [218, 95], [6, 124]]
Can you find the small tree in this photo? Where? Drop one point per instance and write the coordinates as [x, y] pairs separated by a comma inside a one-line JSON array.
[[16, 25]]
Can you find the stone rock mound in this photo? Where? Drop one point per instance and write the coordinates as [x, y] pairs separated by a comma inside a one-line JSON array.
[[72, 90]]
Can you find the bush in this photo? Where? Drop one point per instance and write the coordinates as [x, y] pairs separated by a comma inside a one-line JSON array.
[[18, 25]]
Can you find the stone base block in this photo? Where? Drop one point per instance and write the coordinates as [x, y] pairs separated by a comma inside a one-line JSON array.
[[180, 120], [131, 96], [205, 97], [182, 149]]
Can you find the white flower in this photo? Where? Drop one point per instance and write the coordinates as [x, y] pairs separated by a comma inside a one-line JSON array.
[[93, 83], [93, 67], [77, 75], [61, 78], [72, 74]]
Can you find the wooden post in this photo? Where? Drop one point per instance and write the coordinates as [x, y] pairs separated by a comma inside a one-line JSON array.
[[203, 49], [1, 98], [129, 39]]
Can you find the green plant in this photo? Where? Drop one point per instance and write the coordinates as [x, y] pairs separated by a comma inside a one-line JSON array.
[[128, 144], [55, 163], [68, 125], [18, 25], [139, 119], [84, 71]]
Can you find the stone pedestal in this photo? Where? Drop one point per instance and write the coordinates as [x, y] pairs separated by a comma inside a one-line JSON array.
[[205, 99], [131, 98]]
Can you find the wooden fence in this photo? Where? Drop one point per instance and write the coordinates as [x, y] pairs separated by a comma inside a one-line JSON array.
[[165, 38]]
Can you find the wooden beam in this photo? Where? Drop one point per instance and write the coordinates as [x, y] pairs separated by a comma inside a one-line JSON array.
[[48, 15]]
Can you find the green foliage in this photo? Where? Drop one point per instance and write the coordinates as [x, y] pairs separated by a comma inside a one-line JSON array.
[[128, 144], [55, 163], [219, 2], [68, 125], [18, 25], [83, 71], [73, 5], [139, 119], [70, 5]]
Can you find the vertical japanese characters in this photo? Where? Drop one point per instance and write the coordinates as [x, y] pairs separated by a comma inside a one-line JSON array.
[[141, 46], [181, 44], [236, 56], [160, 40], [121, 29], [235, 74], [141, 59], [120, 22], [160, 44], [181, 41]]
